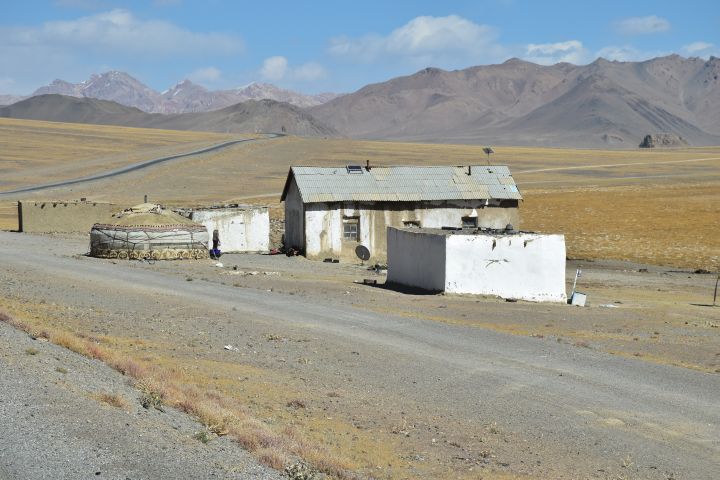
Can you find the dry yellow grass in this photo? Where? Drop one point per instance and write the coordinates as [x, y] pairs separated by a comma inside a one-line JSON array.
[[676, 225], [653, 206], [38, 152], [113, 399]]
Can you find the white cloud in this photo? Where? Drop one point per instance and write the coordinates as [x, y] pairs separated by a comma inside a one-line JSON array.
[[696, 48], [571, 51], [277, 68], [274, 68], [642, 25], [628, 53], [425, 39], [205, 75], [119, 31], [623, 53]]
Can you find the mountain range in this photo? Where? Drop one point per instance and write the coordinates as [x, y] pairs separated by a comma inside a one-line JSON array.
[[249, 116], [184, 97], [605, 104]]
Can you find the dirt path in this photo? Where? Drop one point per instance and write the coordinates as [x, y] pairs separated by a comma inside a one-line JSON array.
[[456, 394]]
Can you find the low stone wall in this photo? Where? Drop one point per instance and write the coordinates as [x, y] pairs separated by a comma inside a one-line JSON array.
[[62, 216]]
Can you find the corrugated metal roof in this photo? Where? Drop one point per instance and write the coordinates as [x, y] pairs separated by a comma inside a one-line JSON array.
[[403, 183]]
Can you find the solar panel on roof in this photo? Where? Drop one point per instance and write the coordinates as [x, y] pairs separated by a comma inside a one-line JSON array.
[[354, 169]]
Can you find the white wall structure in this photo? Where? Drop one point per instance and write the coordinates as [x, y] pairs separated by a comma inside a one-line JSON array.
[[322, 202], [242, 228], [518, 265]]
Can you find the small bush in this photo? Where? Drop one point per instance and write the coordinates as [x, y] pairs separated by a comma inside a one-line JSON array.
[[300, 471], [296, 404], [150, 395], [61, 370], [202, 436], [32, 351]]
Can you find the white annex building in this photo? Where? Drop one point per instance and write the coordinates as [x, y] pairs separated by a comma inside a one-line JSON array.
[[329, 211], [508, 264], [240, 228]]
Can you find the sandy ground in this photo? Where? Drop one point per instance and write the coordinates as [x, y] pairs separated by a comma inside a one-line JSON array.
[[410, 385]]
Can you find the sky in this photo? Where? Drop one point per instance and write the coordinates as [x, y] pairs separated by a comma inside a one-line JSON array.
[[335, 46]]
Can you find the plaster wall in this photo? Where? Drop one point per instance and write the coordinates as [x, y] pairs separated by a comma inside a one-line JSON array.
[[62, 216], [523, 266], [416, 259], [323, 223], [245, 229]]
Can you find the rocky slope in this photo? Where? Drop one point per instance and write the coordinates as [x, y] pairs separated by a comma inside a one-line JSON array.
[[597, 105]]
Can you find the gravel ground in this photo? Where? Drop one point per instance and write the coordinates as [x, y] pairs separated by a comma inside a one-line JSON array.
[[449, 396], [54, 428]]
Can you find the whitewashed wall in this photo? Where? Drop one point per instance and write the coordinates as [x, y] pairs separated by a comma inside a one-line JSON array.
[[523, 266], [241, 229], [416, 259], [323, 223]]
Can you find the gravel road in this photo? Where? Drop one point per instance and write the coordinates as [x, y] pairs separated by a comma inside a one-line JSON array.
[[566, 412]]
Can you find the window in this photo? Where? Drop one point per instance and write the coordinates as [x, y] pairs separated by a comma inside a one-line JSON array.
[[469, 222], [351, 229], [411, 223]]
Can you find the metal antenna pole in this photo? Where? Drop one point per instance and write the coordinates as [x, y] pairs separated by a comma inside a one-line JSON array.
[[717, 280], [577, 274]]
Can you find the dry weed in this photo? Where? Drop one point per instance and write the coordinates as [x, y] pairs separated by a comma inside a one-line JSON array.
[[112, 399], [150, 394]]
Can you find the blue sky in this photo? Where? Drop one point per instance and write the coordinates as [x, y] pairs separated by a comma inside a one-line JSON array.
[[331, 45]]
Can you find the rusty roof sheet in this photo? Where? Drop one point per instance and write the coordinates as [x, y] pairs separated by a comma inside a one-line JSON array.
[[403, 183]]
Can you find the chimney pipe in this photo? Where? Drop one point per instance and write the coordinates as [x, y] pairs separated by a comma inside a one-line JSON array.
[[469, 170], [367, 165]]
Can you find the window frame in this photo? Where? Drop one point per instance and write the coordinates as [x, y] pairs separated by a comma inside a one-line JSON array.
[[464, 221], [349, 221]]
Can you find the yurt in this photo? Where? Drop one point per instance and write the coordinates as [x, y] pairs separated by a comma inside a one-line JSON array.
[[151, 232]]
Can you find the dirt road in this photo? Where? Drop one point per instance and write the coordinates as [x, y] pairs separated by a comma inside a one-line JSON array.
[[543, 408]]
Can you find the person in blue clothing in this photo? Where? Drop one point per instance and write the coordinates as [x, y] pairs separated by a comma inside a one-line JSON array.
[[215, 252]]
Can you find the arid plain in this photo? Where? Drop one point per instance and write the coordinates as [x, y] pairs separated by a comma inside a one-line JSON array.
[[638, 222], [654, 206]]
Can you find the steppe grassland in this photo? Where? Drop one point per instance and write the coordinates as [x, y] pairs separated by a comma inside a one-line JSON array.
[[34, 152], [651, 206], [30, 144]]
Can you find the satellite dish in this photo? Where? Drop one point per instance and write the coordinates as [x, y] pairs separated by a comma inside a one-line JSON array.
[[362, 253], [488, 150]]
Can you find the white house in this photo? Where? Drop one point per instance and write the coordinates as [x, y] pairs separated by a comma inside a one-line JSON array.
[[329, 211], [508, 264], [240, 228]]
